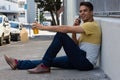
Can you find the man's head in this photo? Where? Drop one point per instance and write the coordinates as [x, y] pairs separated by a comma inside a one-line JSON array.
[[86, 11]]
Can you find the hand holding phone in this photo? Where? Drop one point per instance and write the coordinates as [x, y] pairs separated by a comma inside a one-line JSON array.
[[77, 21]]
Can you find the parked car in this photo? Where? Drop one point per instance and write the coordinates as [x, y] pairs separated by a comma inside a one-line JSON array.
[[15, 30], [4, 30], [46, 23]]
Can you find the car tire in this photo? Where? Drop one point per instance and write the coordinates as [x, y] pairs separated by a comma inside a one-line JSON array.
[[1, 41], [17, 38], [8, 40]]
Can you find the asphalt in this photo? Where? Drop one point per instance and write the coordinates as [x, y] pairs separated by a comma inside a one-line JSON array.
[[35, 48]]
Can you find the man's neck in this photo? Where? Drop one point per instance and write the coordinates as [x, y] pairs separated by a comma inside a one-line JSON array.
[[90, 20]]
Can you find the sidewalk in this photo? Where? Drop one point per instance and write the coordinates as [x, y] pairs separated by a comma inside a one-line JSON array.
[[35, 49], [41, 33]]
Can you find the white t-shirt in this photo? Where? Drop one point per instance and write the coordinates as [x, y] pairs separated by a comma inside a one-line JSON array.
[[92, 51]]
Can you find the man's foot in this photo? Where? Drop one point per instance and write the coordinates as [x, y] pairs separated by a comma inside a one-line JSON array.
[[41, 68], [11, 61]]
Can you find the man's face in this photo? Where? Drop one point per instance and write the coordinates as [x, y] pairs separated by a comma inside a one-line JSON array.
[[85, 13]]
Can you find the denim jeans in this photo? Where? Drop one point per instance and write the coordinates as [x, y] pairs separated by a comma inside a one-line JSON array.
[[75, 58]]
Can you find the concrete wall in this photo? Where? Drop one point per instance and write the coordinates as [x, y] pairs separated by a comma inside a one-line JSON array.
[[69, 12], [110, 51], [7, 6], [30, 13]]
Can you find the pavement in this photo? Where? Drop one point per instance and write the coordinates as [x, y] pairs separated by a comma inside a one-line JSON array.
[[35, 48]]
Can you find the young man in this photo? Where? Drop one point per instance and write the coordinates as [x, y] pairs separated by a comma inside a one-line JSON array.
[[81, 53]]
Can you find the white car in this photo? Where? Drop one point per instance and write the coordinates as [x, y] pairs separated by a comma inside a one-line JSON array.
[[15, 30], [46, 23], [4, 30]]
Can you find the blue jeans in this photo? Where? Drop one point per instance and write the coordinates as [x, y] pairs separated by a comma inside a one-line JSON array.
[[75, 58]]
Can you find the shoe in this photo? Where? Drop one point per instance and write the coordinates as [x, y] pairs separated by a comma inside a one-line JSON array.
[[11, 61], [41, 68]]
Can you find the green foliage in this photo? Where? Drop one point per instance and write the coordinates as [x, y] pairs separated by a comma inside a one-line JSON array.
[[37, 0], [42, 18], [50, 5]]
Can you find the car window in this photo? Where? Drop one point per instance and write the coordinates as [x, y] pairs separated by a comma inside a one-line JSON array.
[[0, 19], [14, 25]]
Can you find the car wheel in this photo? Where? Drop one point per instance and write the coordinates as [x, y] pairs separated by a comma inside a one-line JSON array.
[[1, 41], [18, 38], [8, 40]]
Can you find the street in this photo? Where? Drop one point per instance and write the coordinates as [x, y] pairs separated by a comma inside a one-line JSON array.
[[35, 49]]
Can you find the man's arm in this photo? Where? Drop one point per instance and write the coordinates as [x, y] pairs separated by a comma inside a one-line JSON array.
[[74, 36], [63, 28]]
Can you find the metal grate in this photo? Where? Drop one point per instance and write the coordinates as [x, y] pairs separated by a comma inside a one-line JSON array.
[[106, 7], [108, 13]]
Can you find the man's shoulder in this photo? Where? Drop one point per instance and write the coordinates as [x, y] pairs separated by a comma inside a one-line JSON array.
[[93, 22], [90, 24]]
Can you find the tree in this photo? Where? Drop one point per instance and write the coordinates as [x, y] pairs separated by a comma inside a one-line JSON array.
[[52, 6]]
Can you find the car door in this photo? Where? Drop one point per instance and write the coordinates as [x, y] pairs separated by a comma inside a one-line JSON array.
[[7, 26]]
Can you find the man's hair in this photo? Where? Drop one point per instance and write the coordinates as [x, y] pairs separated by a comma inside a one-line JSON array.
[[87, 4]]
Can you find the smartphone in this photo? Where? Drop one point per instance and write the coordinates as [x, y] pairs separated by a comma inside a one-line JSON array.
[[77, 21]]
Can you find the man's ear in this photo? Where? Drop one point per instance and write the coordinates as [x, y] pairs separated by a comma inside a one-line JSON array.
[[91, 13]]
